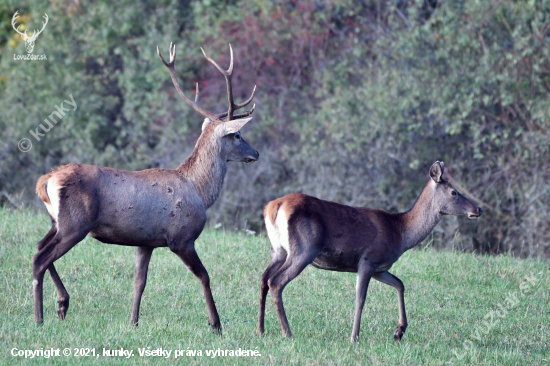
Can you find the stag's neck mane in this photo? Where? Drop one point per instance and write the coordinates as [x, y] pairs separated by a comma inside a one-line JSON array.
[[206, 167]]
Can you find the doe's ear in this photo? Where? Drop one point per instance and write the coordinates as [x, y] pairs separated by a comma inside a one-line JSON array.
[[436, 171], [235, 125]]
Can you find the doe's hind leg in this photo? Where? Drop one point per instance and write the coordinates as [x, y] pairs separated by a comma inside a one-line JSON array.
[[292, 267], [277, 260]]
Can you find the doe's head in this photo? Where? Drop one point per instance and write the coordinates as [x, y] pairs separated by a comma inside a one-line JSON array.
[[448, 199]]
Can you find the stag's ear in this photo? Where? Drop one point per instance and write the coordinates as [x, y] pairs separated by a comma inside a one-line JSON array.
[[205, 123], [436, 171], [235, 125]]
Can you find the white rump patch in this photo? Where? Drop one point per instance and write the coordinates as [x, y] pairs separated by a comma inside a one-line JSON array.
[[278, 232], [53, 194]]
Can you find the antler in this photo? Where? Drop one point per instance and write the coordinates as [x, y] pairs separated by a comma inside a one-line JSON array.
[[228, 74], [13, 21], [170, 66], [37, 32], [195, 105]]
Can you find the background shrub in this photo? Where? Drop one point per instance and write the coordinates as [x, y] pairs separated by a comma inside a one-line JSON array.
[[356, 99]]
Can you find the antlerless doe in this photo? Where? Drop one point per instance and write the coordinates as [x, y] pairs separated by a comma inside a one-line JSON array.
[[304, 229]]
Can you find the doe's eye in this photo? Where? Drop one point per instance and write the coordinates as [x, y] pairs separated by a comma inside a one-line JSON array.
[[453, 193], [237, 137]]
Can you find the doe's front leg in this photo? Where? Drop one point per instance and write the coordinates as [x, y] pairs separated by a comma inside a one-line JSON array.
[[389, 279], [364, 275]]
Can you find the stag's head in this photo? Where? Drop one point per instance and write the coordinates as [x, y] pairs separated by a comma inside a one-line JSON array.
[[449, 200], [223, 129], [29, 40]]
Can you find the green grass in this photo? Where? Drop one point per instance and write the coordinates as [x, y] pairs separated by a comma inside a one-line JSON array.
[[447, 296]]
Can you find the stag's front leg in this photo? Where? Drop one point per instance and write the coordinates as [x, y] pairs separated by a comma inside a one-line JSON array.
[[143, 256], [189, 256], [389, 279], [364, 275]]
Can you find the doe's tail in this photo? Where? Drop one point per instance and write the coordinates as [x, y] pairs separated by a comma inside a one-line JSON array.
[[41, 187]]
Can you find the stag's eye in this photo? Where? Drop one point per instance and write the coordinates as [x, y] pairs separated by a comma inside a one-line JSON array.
[[237, 137], [453, 193]]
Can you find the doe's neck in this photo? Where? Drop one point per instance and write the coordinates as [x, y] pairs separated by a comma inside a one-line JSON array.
[[421, 219]]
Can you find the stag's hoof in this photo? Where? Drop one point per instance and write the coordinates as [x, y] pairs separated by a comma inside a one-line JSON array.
[[398, 334], [62, 307], [259, 331]]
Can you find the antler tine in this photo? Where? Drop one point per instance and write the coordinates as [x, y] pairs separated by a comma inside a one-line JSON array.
[[241, 105], [246, 102], [225, 73], [228, 74], [247, 113], [170, 66], [230, 70], [240, 115]]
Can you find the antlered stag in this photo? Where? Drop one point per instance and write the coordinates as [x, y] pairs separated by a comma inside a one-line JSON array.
[[147, 209], [303, 230]]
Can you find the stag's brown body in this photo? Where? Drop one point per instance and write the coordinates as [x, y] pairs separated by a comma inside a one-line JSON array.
[[150, 210], [305, 230], [146, 209]]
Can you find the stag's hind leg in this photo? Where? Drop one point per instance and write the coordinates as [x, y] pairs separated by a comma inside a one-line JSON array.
[[278, 257], [189, 256], [49, 253], [389, 279], [62, 294]]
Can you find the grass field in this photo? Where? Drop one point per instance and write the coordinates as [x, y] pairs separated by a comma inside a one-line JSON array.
[[452, 302]]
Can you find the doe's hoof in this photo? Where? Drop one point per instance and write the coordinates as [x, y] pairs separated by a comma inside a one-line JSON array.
[[398, 334], [62, 307], [216, 328]]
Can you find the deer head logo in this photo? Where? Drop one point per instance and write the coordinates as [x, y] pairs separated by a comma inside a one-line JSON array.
[[29, 40]]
